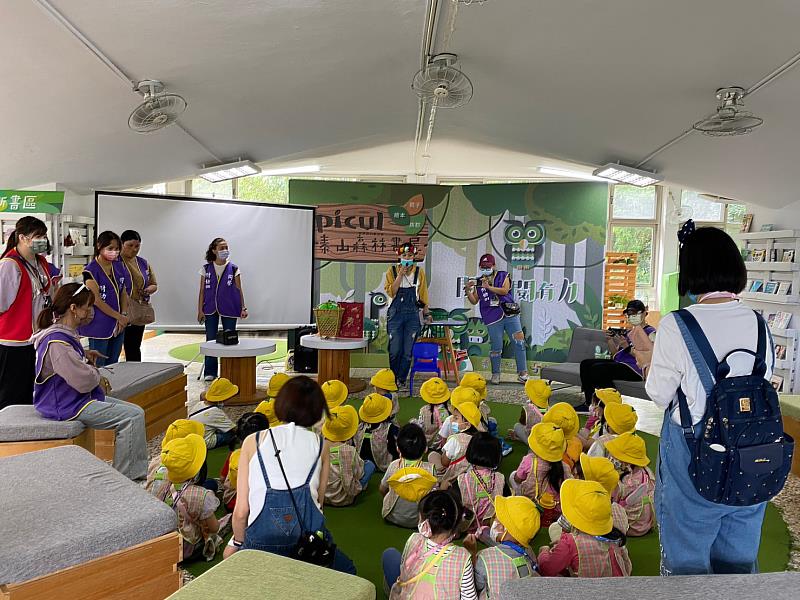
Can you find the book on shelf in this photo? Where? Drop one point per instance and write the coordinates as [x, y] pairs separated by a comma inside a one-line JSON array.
[[757, 285], [788, 256], [770, 287], [747, 223], [784, 289], [78, 236], [75, 270], [773, 255], [780, 352], [777, 382], [768, 227], [758, 255], [771, 320], [782, 320]]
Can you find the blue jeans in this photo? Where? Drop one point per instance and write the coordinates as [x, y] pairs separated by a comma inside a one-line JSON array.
[[699, 537], [110, 348], [510, 325], [223, 438], [369, 470], [403, 327], [212, 324], [391, 561]]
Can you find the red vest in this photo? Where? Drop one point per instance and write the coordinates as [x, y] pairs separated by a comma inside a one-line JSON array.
[[16, 324]]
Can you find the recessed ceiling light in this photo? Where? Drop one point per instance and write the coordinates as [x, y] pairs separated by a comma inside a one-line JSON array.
[[234, 170], [624, 174]]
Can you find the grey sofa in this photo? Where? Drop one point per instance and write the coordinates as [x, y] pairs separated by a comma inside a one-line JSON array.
[[584, 342]]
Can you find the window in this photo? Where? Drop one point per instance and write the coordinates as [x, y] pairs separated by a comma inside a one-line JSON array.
[[633, 227], [205, 189], [703, 209], [264, 188], [634, 203], [640, 240]]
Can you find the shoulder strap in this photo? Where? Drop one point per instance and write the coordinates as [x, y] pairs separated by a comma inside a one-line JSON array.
[[286, 479], [261, 461], [394, 271], [699, 347], [759, 356], [201, 410], [316, 460], [416, 275]]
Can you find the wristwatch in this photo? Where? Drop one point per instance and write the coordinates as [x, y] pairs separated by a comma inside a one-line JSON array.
[[234, 544]]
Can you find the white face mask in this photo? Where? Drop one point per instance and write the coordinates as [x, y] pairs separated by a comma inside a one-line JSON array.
[[224, 254], [636, 319], [496, 531]]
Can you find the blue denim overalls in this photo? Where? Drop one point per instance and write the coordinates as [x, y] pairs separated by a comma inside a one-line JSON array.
[[277, 530], [403, 326]]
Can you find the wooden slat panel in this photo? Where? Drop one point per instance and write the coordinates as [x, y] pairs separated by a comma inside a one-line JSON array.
[[619, 280], [154, 395], [157, 588]]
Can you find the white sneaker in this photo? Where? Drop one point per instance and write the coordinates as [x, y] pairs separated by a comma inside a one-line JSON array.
[[209, 378], [495, 380], [522, 378]]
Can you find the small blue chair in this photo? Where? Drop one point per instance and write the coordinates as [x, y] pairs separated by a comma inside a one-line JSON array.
[[425, 359]]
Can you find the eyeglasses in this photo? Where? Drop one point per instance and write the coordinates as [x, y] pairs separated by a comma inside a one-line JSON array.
[[79, 290]]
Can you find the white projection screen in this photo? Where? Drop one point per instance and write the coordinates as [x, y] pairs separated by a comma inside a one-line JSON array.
[[271, 244]]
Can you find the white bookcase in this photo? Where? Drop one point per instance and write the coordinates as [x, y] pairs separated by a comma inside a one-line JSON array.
[[72, 256], [773, 244]]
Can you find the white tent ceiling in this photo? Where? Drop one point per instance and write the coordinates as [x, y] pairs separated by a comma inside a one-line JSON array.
[[583, 81]]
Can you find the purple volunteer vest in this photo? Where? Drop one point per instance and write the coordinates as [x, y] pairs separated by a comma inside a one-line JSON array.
[[102, 326], [144, 269], [221, 296], [626, 358], [54, 398], [492, 314]]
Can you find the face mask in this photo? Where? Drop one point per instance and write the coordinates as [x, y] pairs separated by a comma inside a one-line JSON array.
[[424, 528], [404, 262], [454, 428], [224, 254], [496, 532], [110, 255], [486, 272], [40, 245], [635, 319]]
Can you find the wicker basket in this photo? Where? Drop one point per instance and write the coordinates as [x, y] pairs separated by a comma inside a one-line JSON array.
[[328, 320]]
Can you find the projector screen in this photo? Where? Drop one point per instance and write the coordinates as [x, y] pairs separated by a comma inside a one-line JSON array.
[[272, 245]]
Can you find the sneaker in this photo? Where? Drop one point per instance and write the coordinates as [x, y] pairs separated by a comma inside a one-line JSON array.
[[209, 378], [507, 450], [582, 409], [495, 380], [522, 378]]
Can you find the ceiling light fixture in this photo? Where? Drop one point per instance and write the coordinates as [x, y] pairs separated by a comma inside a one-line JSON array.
[[624, 174], [233, 170], [558, 172], [293, 170]]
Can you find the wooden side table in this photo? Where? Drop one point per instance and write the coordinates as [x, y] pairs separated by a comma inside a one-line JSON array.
[[333, 360], [238, 364], [445, 342]]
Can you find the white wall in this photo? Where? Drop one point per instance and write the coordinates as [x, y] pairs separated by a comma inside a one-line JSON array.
[[782, 218]]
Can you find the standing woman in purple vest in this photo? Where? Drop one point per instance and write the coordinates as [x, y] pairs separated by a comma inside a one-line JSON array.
[[492, 290], [105, 277], [68, 386], [140, 284], [221, 297]]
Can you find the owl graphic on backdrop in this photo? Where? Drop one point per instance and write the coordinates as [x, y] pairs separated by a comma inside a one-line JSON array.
[[524, 243]]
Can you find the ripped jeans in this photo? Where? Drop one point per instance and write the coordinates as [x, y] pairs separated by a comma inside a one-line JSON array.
[[510, 325]]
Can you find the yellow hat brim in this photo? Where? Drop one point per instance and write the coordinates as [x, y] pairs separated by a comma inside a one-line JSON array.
[[200, 450], [615, 449], [503, 512], [412, 483], [222, 396], [590, 473], [471, 413], [384, 380], [569, 507], [376, 418], [621, 420], [545, 453], [196, 426]]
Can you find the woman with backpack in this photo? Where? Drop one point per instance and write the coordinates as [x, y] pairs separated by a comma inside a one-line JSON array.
[[720, 535]]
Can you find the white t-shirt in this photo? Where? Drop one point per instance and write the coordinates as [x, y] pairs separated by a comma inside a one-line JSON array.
[[728, 326], [213, 419], [219, 269], [299, 449]]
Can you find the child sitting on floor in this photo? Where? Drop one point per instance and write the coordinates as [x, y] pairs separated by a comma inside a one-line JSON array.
[[177, 429], [619, 419], [335, 393], [636, 483], [185, 463], [376, 439], [219, 429], [601, 470], [594, 423], [434, 413], [349, 474], [589, 546], [510, 555], [384, 383], [457, 396], [407, 479], [452, 461], [431, 565], [538, 393], [482, 483], [478, 383], [563, 415], [247, 424], [540, 474]]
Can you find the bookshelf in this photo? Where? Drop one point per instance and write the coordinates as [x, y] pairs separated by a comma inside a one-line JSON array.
[[72, 258], [769, 249]]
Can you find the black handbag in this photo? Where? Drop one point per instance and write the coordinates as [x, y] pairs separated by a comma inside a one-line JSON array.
[[510, 309], [312, 547]]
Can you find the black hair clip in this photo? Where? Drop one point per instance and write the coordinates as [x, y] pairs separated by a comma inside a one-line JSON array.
[[688, 229]]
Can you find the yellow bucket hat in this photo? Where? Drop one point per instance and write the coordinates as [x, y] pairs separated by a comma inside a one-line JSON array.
[[375, 409], [464, 394], [564, 416], [476, 382], [267, 408], [342, 424], [601, 470], [621, 417], [233, 467], [471, 413], [608, 395], [276, 382], [520, 517], [220, 390], [587, 506], [547, 441], [335, 393], [538, 392], [629, 448], [412, 483], [384, 380], [434, 391], [181, 428], [184, 457]]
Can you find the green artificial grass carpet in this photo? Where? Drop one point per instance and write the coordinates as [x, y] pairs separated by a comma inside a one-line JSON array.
[[363, 535], [191, 351]]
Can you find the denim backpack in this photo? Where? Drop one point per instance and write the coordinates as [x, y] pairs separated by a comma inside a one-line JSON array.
[[740, 456]]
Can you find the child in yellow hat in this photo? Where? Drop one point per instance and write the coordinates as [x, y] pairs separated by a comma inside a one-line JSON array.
[[376, 438], [219, 429], [636, 488], [541, 472], [248, 423], [435, 411], [509, 557], [563, 415], [478, 383], [538, 393], [457, 396], [384, 383], [335, 392], [184, 460], [590, 545], [349, 474], [617, 419], [177, 429], [276, 382], [591, 429], [601, 470], [405, 478], [267, 408], [464, 423], [482, 482]]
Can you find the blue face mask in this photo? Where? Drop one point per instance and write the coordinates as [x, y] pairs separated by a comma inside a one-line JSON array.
[[486, 272], [454, 428], [406, 263], [692, 297]]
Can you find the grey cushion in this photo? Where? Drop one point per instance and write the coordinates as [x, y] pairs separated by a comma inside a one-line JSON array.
[[64, 506], [22, 423], [584, 342], [130, 378], [632, 388], [564, 372], [775, 586]]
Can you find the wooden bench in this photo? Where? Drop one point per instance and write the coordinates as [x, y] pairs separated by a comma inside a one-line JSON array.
[[790, 409]]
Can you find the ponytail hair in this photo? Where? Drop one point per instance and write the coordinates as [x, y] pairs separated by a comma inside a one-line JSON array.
[[66, 296], [555, 476], [104, 240], [211, 255], [27, 226]]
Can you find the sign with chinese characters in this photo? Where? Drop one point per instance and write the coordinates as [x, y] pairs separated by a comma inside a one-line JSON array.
[[369, 232], [24, 201]]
